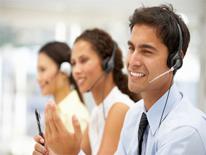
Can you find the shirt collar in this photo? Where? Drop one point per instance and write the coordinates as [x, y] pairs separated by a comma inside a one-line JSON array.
[[155, 112]]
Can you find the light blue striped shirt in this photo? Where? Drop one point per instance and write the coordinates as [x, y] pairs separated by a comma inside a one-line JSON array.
[[182, 130]]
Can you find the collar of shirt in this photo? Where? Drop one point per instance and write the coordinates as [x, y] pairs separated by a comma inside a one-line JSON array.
[[157, 110]]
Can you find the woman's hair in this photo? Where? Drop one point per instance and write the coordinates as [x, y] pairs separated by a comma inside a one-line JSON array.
[[103, 45], [60, 52]]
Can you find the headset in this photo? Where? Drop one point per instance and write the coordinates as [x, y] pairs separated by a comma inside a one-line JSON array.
[[175, 59], [65, 68], [109, 62], [107, 65]]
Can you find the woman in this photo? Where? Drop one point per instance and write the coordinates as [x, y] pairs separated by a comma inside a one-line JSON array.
[[97, 67], [54, 78]]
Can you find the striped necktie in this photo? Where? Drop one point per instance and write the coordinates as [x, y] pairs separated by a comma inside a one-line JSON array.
[[142, 126]]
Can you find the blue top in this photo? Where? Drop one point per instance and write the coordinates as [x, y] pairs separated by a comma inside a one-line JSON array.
[[180, 131]]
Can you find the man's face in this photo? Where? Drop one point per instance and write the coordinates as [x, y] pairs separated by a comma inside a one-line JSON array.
[[147, 58]]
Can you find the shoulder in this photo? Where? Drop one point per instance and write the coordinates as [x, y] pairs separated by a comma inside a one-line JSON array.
[[116, 113], [130, 128], [133, 114], [132, 110], [186, 114], [185, 139], [118, 108], [184, 122]]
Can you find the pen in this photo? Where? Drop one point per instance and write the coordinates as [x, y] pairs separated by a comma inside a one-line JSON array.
[[38, 123]]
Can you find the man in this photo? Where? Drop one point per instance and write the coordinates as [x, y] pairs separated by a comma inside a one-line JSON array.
[[163, 122]]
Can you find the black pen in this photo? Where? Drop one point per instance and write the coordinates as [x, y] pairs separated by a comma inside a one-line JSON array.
[[38, 123]]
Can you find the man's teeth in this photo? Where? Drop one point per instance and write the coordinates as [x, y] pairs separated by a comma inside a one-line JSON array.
[[137, 74]]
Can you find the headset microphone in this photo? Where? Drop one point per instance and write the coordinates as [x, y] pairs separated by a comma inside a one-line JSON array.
[[94, 83], [107, 64], [177, 61], [174, 60], [163, 74]]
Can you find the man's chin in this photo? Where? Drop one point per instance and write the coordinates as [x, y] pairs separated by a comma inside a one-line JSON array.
[[133, 89]]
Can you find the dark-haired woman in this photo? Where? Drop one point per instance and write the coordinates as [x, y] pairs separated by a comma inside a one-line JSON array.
[[55, 79], [96, 67]]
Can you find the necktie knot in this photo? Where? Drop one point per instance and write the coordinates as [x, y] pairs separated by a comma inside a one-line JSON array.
[[142, 126]]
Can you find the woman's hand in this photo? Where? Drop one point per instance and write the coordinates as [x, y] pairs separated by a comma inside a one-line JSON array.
[[58, 139], [39, 148]]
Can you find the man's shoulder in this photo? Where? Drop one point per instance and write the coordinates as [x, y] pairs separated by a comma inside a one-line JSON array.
[[189, 114], [184, 118], [186, 114]]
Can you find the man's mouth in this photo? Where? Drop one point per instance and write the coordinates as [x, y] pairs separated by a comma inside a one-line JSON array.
[[137, 74]]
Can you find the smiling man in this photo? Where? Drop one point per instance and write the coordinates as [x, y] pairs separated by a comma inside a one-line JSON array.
[[163, 122]]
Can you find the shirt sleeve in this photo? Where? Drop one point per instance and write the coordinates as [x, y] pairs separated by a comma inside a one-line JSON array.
[[181, 141]]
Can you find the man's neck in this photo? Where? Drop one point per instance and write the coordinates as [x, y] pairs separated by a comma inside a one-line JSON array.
[[152, 96]]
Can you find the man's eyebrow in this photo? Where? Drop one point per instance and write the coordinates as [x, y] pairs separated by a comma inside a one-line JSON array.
[[147, 46]]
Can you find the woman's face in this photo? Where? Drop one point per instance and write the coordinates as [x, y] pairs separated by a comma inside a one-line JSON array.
[[46, 74], [86, 66]]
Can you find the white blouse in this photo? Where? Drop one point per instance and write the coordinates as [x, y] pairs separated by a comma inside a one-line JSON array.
[[99, 114], [71, 105]]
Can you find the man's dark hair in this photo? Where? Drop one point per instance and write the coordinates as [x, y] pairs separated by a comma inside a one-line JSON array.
[[165, 21]]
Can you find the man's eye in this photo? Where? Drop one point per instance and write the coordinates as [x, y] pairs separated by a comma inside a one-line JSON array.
[[131, 49]]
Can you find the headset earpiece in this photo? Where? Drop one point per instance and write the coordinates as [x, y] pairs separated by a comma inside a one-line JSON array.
[[65, 68], [175, 59], [108, 63]]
